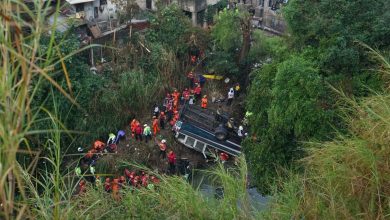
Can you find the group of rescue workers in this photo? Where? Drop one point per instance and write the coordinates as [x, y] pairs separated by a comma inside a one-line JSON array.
[[169, 114]]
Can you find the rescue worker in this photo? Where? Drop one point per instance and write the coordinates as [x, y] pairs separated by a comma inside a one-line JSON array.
[[111, 138], [127, 173], [147, 133], [156, 129], [82, 187], [144, 180], [240, 131], [191, 100], [224, 157], [113, 148], [107, 185], [136, 181], [169, 111], [98, 182], [163, 147], [138, 133], [92, 170], [202, 80], [154, 180], [167, 100], [175, 118], [176, 95], [230, 96], [156, 110], [172, 162], [115, 189], [90, 155], [121, 134], [186, 95], [133, 125], [77, 170], [98, 146], [91, 177], [204, 102], [162, 120], [122, 181], [230, 125], [237, 89], [190, 77], [198, 92]]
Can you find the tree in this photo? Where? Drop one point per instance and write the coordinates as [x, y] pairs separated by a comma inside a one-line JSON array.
[[331, 30], [286, 102]]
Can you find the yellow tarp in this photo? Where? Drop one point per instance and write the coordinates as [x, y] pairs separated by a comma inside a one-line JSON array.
[[213, 77]]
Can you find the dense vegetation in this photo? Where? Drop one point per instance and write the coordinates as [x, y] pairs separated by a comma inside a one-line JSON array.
[[292, 95], [318, 138]]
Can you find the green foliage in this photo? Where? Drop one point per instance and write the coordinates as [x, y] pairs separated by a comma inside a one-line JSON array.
[[213, 9], [173, 197], [226, 32], [264, 47], [333, 28], [348, 177], [169, 26], [296, 105], [290, 96]]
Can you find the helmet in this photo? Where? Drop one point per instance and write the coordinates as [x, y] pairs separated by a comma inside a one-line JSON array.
[[80, 149], [145, 125], [163, 141], [240, 127], [205, 96], [154, 117]]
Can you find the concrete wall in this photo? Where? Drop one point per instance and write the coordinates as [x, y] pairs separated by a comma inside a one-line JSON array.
[[104, 11]]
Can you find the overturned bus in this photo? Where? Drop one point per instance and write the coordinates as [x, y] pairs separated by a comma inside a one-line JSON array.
[[199, 130]]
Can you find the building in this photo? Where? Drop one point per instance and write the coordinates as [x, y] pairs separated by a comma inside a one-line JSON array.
[[268, 15], [93, 10]]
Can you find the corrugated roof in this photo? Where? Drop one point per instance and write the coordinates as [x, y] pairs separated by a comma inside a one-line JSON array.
[[72, 2]]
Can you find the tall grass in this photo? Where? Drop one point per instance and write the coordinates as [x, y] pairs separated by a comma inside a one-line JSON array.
[[23, 63], [174, 198], [347, 178]]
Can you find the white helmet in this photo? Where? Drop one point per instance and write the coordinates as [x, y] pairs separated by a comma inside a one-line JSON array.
[[240, 128], [163, 141], [80, 149]]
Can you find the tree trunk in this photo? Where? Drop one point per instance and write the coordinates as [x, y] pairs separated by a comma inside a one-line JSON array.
[[246, 39]]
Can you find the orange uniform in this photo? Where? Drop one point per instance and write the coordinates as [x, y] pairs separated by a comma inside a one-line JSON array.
[[133, 125], [98, 146], [176, 95], [204, 102], [115, 189], [155, 126]]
